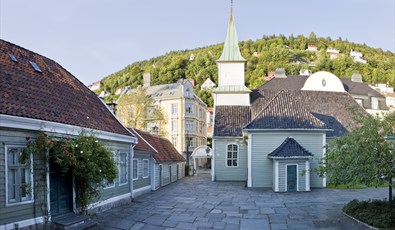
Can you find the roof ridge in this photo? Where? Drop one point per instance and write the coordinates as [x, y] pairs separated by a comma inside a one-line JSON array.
[[261, 111], [138, 134]]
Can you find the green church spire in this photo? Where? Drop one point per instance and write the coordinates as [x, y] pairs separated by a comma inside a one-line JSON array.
[[231, 50]]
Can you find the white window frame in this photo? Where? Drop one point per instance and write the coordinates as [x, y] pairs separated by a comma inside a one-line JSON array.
[[135, 169], [174, 126], [174, 109], [375, 103], [232, 158], [145, 169], [23, 201], [174, 140], [125, 164], [105, 182]]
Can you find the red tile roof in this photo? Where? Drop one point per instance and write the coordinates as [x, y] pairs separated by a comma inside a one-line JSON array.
[[143, 144], [53, 94], [166, 150]]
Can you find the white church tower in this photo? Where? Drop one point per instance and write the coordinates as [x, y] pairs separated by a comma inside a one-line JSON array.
[[231, 66]]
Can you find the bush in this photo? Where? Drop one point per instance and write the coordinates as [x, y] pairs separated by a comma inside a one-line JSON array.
[[372, 212]]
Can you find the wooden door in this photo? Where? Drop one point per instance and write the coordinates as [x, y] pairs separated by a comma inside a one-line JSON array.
[[61, 194], [291, 178]]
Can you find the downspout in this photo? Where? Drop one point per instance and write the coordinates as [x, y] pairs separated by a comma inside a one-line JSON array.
[[131, 171]]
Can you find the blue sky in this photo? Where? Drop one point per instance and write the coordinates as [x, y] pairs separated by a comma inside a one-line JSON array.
[[94, 38]]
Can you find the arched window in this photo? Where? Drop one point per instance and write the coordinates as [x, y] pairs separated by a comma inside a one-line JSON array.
[[232, 155]]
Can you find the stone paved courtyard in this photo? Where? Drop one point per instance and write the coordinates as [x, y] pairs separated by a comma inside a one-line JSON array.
[[198, 203]]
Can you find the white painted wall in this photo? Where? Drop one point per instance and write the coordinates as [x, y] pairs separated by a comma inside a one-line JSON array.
[[232, 99], [230, 73]]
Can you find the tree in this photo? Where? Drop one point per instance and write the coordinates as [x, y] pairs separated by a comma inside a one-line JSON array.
[[364, 156], [138, 110]]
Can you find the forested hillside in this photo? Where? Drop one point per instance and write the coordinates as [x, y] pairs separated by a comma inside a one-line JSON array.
[[263, 55]]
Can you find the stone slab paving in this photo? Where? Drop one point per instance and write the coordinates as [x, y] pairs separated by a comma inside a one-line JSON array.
[[198, 203]]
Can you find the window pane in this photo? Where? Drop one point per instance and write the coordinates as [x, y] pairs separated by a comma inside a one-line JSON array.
[[12, 185], [229, 162], [235, 155], [234, 147], [235, 163], [229, 147]]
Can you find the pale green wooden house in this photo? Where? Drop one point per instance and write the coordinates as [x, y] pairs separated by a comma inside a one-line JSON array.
[[39, 95]]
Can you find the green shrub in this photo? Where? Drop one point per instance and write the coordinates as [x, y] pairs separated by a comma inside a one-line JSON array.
[[372, 212]]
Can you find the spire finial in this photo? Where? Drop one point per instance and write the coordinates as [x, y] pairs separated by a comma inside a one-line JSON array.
[[231, 3]]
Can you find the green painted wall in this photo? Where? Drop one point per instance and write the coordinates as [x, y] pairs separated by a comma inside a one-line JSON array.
[[20, 212], [142, 182], [222, 171], [264, 143], [283, 170]]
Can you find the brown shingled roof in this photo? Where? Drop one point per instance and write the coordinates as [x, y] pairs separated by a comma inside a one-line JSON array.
[[165, 149], [143, 144], [230, 120], [51, 95], [283, 112]]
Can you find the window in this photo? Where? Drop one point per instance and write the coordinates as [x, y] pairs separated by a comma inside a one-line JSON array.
[[189, 108], [232, 155], [174, 109], [359, 101], [122, 168], [174, 125], [174, 141], [106, 183], [19, 175], [145, 168], [13, 58], [187, 93], [375, 103], [190, 141], [190, 126], [135, 169], [35, 67]]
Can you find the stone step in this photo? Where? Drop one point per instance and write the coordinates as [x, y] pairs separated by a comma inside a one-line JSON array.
[[72, 221]]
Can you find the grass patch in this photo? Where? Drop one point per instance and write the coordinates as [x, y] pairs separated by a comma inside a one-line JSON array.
[[346, 186], [372, 212]]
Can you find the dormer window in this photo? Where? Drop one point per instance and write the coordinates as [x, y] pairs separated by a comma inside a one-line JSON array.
[[375, 103], [187, 93]]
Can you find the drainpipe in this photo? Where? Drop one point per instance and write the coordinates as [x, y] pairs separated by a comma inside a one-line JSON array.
[[131, 171]]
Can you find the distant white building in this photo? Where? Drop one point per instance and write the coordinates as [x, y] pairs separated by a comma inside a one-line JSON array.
[[358, 57], [208, 84], [305, 72], [312, 48], [104, 94], [95, 86], [355, 54], [332, 50], [383, 88]]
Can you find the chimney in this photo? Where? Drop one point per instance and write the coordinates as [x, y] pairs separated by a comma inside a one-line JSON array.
[[356, 77], [280, 73], [147, 80]]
